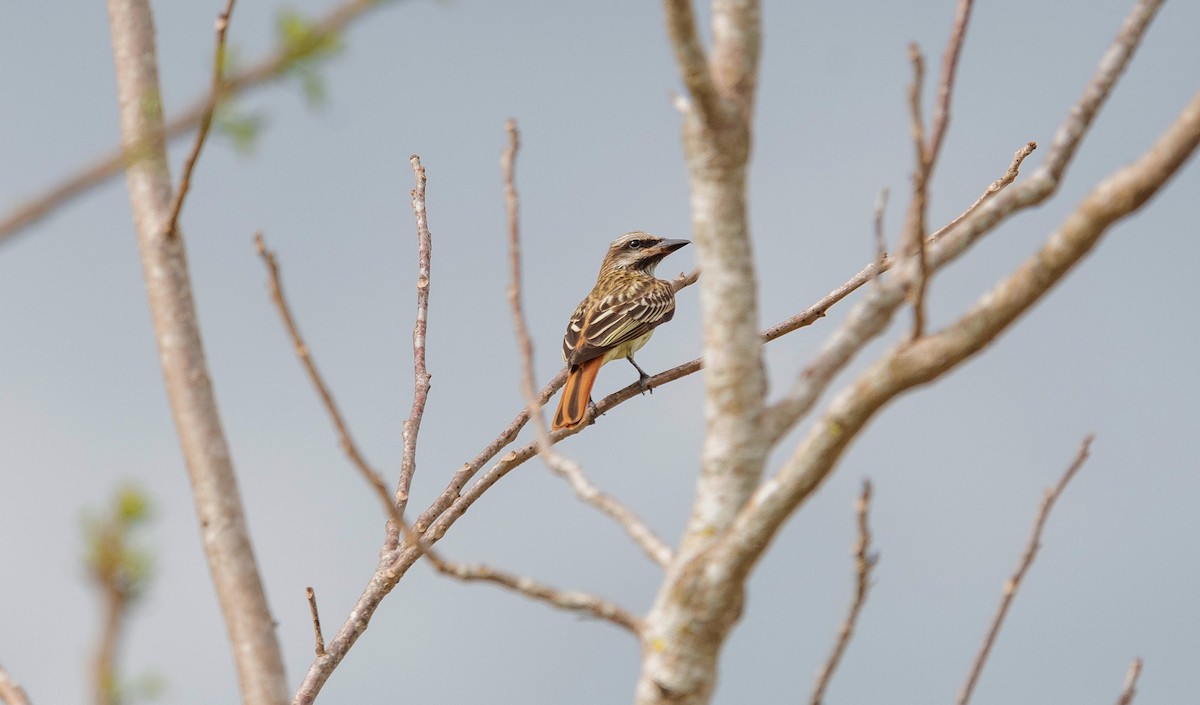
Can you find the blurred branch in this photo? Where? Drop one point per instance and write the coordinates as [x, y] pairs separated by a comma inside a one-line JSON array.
[[569, 600], [693, 63], [1131, 679], [941, 111], [11, 691], [1014, 583], [189, 164], [864, 563], [120, 571], [271, 67], [912, 242], [222, 521]]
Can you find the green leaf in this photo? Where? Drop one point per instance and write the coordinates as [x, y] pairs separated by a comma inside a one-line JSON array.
[[241, 127]]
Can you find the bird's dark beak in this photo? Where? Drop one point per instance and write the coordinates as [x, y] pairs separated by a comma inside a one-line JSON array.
[[671, 245]]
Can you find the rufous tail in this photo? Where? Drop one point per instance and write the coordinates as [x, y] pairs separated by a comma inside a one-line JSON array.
[[576, 394]]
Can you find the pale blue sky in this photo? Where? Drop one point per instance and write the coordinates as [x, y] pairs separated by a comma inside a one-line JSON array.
[[959, 467]]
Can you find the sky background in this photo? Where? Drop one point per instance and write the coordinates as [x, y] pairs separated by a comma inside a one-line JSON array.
[[959, 467]]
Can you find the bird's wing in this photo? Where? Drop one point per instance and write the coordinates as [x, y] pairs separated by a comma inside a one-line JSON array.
[[603, 323]]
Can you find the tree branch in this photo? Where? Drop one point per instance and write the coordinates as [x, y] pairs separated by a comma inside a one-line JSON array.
[[185, 179], [913, 240], [318, 638], [223, 530], [421, 376], [267, 69], [871, 316], [1014, 583], [569, 600], [916, 363], [864, 564], [838, 352], [11, 691], [1131, 679], [692, 60]]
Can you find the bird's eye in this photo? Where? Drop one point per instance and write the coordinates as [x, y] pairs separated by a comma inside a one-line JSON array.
[[634, 244]]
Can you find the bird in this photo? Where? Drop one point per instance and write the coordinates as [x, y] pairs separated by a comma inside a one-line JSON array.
[[616, 319]]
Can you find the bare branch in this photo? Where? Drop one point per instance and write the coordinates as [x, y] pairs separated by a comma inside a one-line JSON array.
[[569, 600], [224, 535], [267, 69], [996, 187], [818, 375], [864, 563], [652, 545], [1014, 583], [316, 621], [1131, 679], [919, 362], [692, 60], [941, 112], [880, 237], [11, 691], [1112, 65], [421, 376], [345, 440], [913, 241], [185, 180], [872, 315]]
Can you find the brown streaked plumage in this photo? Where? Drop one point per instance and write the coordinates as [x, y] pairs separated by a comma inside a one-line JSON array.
[[616, 319]]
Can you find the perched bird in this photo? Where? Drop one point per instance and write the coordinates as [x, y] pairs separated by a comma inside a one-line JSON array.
[[616, 319]]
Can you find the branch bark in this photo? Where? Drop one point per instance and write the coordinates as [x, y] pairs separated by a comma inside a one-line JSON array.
[[11, 691], [181, 353], [679, 662]]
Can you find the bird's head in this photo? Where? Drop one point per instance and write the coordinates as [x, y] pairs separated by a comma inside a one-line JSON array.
[[639, 252]]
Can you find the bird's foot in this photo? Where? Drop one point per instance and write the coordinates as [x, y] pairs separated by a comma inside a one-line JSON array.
[[644, 383]]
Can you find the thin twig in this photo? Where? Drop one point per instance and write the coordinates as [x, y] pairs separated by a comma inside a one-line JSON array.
[[316, 621], [569, 600], [1131, 678], [1014, 583], [185, 179], [927, 152], [914, 227], [91, 175], [864, 564], [800, 400], [941, 111], [421, 376], [562, 466], [880, 236], [11, 691], [996, 187], [345, 440]]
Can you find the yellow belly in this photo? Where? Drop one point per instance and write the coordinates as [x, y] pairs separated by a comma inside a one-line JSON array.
[[628, 348]]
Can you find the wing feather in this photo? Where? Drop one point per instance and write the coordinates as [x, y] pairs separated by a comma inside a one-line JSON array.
[[602, 323]]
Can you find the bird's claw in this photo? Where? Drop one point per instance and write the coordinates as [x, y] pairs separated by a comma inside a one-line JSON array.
[[644, 383]]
